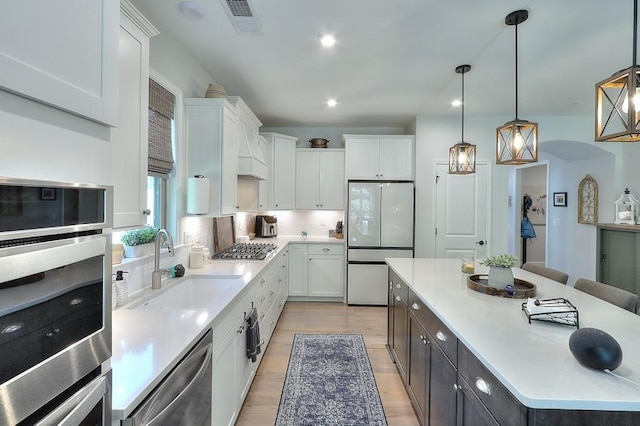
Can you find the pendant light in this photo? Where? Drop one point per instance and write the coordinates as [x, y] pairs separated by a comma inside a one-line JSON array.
[[462, 156], [517, 140], [618, 100]]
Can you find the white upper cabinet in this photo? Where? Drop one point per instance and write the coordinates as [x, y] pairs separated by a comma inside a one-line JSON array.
[[64, 54], [282, 171], [384, 157], [212, 150], [129, 141], [320, 179]]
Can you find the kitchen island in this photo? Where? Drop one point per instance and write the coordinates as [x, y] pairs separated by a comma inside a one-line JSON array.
[[531, 362]]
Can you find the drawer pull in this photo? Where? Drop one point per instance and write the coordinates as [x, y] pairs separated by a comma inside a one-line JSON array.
[[457, 387], [326, 250], [415, 306], [441, 336], [272, 292], [240, 330], [398, 285], [483, 386], [262, 281], [262, 315], [398, 299], [262, 299]]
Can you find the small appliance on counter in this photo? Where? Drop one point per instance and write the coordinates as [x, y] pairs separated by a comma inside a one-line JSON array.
[[266, 226]]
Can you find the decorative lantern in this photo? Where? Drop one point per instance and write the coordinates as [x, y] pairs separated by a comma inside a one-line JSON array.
[[626, 208]]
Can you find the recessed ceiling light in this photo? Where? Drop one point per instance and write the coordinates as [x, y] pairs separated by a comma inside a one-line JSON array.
[[327, 40], [191, 9], [456, 102], [332, 103]]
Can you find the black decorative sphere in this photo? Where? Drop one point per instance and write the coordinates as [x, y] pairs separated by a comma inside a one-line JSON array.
[[596, 349]]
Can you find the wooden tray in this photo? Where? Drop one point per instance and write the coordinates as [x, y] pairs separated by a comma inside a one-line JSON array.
[[522, 289]]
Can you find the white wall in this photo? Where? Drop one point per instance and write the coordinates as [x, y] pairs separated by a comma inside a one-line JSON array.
[[568, 148]]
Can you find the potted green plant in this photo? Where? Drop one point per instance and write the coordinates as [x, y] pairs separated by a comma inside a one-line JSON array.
[[139, 242], [500, 273]]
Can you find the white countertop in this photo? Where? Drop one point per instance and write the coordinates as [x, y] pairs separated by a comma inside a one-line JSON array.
[[532, 360], [147, 344]]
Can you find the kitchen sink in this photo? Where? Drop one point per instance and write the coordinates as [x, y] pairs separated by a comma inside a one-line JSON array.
[[192, 292]]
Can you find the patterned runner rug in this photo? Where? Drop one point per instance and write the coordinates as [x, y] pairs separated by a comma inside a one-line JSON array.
[[329, 382]]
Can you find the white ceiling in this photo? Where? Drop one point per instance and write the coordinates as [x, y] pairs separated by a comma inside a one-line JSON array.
[[396, 59]]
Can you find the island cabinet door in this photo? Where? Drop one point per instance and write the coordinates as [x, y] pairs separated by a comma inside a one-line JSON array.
[[442, 395], [418, 369], [470, 410], [400, 342]]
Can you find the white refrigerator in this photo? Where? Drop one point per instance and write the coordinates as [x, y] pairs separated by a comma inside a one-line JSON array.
[[380, 223]]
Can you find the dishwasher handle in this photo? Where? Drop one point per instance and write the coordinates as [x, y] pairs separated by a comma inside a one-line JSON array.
[[186, 392]]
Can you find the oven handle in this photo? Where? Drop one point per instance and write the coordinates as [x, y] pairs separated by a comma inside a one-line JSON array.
[[60, 254], [157, 420], [65, 415]]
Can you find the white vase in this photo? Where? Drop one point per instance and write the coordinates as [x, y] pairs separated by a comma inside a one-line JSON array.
[[139, 251], [500, 277]]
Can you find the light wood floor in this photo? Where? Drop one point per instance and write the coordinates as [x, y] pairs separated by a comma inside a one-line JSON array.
[[261, 405]]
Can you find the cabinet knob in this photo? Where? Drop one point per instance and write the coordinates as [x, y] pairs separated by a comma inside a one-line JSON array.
[[262, 315], [441, 336], [398, 299], [457, 387], [240, 330], [415, 306], [398, 285], [276, 205], [146, 212], [483, 386]]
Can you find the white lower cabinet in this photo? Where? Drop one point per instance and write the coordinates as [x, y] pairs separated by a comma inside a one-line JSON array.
[[233, 372], [316, 271]]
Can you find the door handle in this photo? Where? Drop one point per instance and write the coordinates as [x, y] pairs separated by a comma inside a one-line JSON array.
[[481, 242]]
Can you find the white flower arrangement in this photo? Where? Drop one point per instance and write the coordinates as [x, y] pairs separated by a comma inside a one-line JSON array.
[[503, 260]]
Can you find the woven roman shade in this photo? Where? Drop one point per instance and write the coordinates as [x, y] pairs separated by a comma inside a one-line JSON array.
[[161, 108]]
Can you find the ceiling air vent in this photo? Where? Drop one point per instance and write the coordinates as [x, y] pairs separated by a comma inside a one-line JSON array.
[[242, 16]]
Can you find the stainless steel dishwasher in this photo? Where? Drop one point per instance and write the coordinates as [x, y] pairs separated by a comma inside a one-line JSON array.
[[184, 396]]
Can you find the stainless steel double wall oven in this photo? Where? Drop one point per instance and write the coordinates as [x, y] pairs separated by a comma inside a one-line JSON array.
[[55, 303]]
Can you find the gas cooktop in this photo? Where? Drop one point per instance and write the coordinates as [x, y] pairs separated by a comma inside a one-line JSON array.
[[245, 251]]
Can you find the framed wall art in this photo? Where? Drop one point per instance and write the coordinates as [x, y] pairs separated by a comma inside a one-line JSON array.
[[560, 199], [588, 201]]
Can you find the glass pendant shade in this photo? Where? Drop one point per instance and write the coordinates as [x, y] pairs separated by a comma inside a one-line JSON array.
[[462, 156], [517, 140], [517, 143]]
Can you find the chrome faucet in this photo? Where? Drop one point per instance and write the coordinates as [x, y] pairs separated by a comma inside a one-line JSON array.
[[162, 238]]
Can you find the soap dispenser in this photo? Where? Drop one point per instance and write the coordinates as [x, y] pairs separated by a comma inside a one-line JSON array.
[[121, 290]]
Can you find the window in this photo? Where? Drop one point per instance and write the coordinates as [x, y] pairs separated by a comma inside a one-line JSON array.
[[161, 145]]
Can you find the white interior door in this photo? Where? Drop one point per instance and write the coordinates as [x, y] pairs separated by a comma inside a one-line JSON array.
[[462, 213]]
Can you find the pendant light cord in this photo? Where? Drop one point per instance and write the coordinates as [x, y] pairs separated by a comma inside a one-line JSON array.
[[462, 140], [517, 67], [635, 31]]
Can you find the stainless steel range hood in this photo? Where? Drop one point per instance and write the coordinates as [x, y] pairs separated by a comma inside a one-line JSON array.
[[252, 163]]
